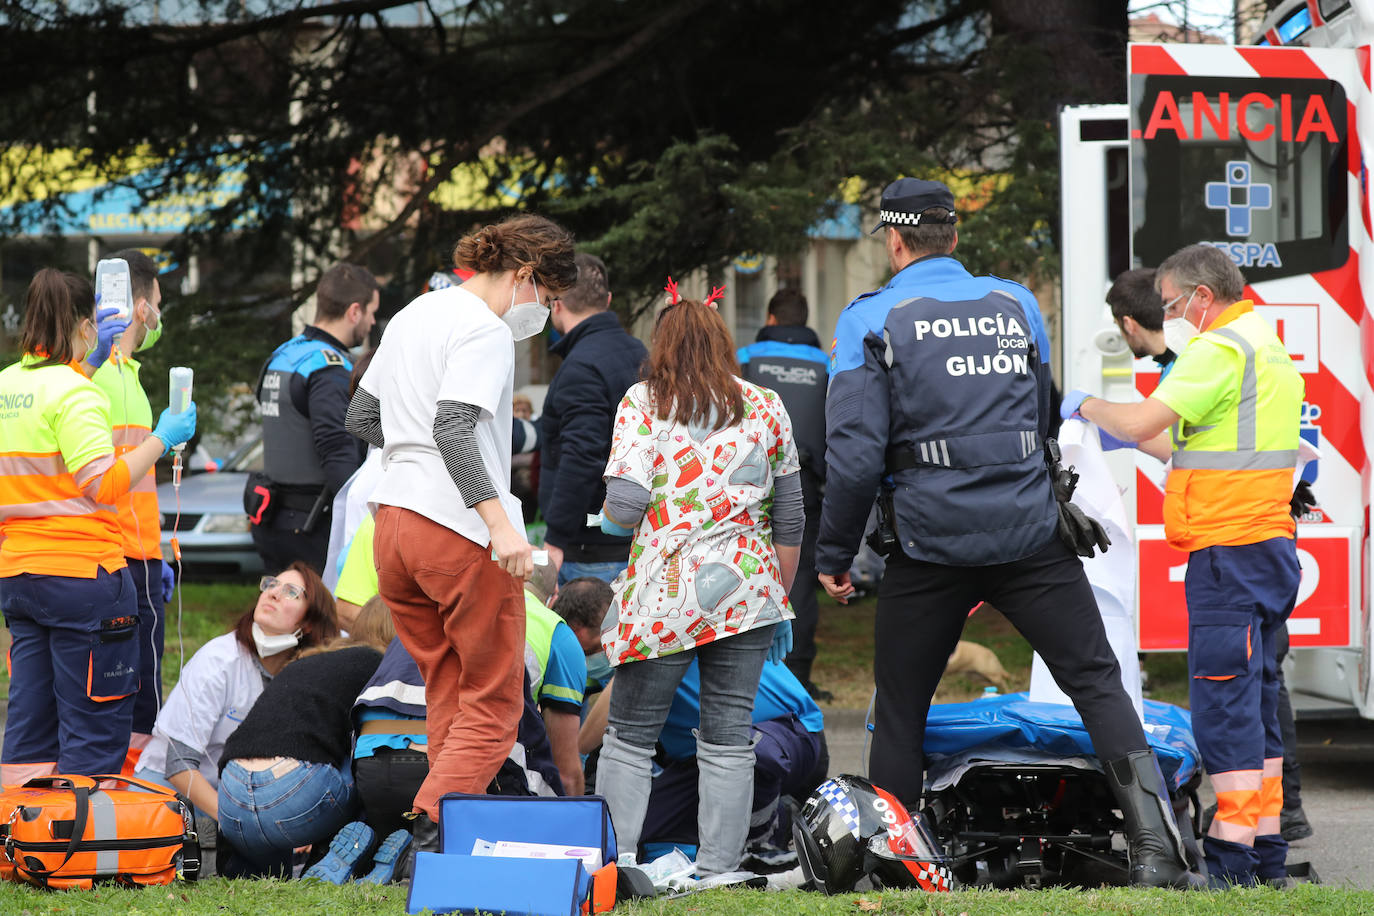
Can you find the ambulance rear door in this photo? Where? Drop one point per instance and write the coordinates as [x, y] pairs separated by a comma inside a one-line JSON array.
[[1257, 151]]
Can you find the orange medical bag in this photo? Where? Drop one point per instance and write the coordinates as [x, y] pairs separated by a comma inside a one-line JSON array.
[[72, 831]]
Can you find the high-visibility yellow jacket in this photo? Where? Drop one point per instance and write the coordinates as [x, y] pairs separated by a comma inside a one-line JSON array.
[[59, 477], [1240, 399], [131, 416]]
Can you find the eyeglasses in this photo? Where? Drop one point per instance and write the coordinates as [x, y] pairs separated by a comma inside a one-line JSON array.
[[293, 592], [1168, 306]]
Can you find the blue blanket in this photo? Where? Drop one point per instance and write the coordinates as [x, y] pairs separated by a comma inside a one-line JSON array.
[[1013, 722]]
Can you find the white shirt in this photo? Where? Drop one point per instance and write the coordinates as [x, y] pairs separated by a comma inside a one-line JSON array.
[[216, 689], [350, 505], [446, 345]]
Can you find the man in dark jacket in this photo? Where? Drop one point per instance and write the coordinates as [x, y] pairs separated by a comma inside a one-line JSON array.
[[787, 357], [600, 363]]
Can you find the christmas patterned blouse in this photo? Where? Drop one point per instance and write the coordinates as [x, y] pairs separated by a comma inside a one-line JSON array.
[[702, 564]]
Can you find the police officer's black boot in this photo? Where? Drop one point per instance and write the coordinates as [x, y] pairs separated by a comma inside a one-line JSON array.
[[1153, 844]]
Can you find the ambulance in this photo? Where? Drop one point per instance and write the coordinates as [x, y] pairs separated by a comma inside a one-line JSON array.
[[1258, 150]]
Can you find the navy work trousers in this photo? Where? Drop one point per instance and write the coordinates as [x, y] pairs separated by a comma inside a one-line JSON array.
[[146, 576], [74, 662], [1238, 601]]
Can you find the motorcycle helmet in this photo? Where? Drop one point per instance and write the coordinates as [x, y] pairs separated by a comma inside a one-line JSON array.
[[850, 828]]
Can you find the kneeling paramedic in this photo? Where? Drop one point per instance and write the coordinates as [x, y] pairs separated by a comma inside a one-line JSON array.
[[1233, 403], [939, 394], [68, 598]]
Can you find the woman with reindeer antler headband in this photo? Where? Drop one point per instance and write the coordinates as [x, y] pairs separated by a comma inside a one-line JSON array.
[[703, 473]]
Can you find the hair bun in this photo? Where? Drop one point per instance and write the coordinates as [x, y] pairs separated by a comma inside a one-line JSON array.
[[480, 251]]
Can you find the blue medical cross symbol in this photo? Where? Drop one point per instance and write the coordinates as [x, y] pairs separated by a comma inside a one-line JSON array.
[[1238, 196]]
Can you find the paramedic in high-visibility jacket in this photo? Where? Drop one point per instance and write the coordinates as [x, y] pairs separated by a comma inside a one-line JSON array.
[[131, 416], [65, 591], [940, 394], [1231, 407]]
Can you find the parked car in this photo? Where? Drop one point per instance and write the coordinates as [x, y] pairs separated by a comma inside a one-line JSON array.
[[208, 520]]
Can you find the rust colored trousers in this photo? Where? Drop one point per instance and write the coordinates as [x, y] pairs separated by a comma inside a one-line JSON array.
[[463, 620]]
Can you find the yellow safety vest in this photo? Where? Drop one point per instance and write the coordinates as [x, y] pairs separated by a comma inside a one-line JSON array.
[[131, 416], [1232, 478], [53, 424]]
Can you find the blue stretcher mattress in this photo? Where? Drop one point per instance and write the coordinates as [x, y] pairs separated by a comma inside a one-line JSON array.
[[1012, 722]]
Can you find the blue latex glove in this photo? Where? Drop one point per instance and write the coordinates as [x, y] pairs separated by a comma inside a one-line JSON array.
[[1110, 442], [1068, 410], [169, 581], [108, 326], [176, 428], [782, 642]]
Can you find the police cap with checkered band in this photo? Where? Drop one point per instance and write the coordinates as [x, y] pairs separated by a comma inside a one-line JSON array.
[[906, 199]]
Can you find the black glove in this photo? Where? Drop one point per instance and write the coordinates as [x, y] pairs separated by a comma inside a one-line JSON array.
[[1302, 500], [1081, 532]]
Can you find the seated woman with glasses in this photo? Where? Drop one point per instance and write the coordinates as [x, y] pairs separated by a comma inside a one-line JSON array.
[[222, 681]]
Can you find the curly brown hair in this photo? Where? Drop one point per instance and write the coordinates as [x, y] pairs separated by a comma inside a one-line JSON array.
[[521, 241]]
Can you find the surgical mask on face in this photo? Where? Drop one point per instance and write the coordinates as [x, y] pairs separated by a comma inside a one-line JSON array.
[[274, 644], [598, 667], [154, 330], [525, 319], [1177, 333]]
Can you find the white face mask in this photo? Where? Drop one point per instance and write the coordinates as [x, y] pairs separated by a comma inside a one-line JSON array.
[[273, 644], [1177, 333], [525, 319]]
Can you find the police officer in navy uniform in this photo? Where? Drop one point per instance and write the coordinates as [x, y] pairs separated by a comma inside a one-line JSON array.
[[303, 395], [787, 357], [939, 393]]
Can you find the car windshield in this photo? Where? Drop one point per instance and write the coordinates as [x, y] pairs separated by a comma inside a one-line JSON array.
[[247, 458]]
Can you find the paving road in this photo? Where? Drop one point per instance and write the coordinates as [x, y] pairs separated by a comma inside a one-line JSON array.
[[1338, 791]]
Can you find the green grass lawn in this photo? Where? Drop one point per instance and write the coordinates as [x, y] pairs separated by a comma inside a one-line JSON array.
[[218, 897]]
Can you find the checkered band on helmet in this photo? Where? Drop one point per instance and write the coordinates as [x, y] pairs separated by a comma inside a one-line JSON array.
[[901, 218], [838, 797]]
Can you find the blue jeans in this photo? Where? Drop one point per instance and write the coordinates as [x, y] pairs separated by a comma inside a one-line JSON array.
[[603, 571], [266, 814]]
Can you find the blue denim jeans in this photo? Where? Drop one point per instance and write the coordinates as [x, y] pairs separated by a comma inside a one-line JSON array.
[[603, 571], [266, 814]]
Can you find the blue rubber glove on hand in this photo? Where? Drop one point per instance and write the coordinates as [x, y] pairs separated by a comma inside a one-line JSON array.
[[108, 326], [176, 428], [1073, 401], [782, 642], [1111, 443], [169, 581]]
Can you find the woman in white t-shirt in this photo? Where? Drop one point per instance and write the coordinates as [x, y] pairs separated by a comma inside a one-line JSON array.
[[224, 678], [437, 401]]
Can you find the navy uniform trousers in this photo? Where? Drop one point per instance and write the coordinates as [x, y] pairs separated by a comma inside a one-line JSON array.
[[921, 612]]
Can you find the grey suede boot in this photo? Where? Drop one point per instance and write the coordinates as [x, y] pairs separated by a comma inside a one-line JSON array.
[[1153, 843], [623, 778], [725, 789]]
